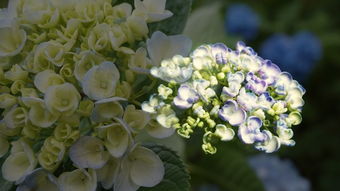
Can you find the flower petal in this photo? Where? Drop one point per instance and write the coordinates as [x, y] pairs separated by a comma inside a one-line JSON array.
[[147, 168]]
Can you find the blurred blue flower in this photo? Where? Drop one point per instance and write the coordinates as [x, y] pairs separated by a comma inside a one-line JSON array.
[[208, 187], [297, 54], [241, 20], [277, 174]]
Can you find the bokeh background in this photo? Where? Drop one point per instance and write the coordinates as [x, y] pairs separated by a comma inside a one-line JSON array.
[[302, 37]]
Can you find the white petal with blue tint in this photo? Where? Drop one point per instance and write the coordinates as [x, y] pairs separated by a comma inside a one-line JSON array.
[[161, 47], [272, 143], [237, 77], [147, 169], [247, 100], [232, 113], [88, 152]]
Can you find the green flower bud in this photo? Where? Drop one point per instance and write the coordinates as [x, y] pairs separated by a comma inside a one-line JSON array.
[[85, 107], [7, 100]]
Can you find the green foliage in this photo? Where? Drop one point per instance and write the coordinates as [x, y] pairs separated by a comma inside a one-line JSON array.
[[176, 177], [228, 169]]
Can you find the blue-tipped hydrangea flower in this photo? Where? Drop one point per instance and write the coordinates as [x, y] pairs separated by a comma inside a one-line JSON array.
[[242, 20], [296, 54], [226, 92], [278, 174]]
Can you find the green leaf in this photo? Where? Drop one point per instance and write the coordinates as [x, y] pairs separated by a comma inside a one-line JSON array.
[[175, 24], [176, 177], [228, 169]]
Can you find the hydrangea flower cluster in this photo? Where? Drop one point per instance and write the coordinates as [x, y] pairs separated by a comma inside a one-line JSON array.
[[222, 91], [67, 69], [296, 54]]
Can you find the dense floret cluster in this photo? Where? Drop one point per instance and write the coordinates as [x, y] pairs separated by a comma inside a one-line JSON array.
[[67, 70], [222, 91]]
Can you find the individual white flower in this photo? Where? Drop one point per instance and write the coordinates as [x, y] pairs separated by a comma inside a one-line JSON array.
[[62, 99], [100, 81], [139, 62], [39, 180], [79, 179], [186, 97], [107, 109], [88, 152], [247, 100], [164, 91], [161, 47], [250, 131], [38, 113], [136, 119], [116, 138], [152, 105], [20, 162], [141, 167], [167, 117], [225, 133], [285, 136], [271, 144], [232, 113], [152, 10], [108, 173], [203, 89], [47, 78], [16, 117], [12, 40], [86, 60], [177, 69], [50, 52], [156, 130]]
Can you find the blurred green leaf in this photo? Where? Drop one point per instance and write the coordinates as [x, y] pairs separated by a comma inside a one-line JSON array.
[[228, 169], [175, 24], [176, 177]]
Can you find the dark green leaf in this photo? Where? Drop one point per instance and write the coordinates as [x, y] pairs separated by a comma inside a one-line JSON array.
[[228, 169], [176, 177]]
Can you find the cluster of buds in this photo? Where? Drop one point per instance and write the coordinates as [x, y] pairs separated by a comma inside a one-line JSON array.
[[222, 92], [67, 70]]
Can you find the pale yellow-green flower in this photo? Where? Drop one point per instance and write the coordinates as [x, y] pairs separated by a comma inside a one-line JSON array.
[[47, 78], [50, 52], [152, 10], [65, 133], [84, 62], [5, 130], [20, 162], [30, 131], [85, 107], [100, 81], [7, 100], [107, 109], [62, 99], [117, 37], [124, 90], [16, 73], [135, 118], [116, 138], [17, 86], [12, 40], [99, 38], [156, 130], [51, 154], [88, 152], [135, 28], [39, 180], [141, 167], [79, 179], [106, 175], [139, 61], [16, 117]]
